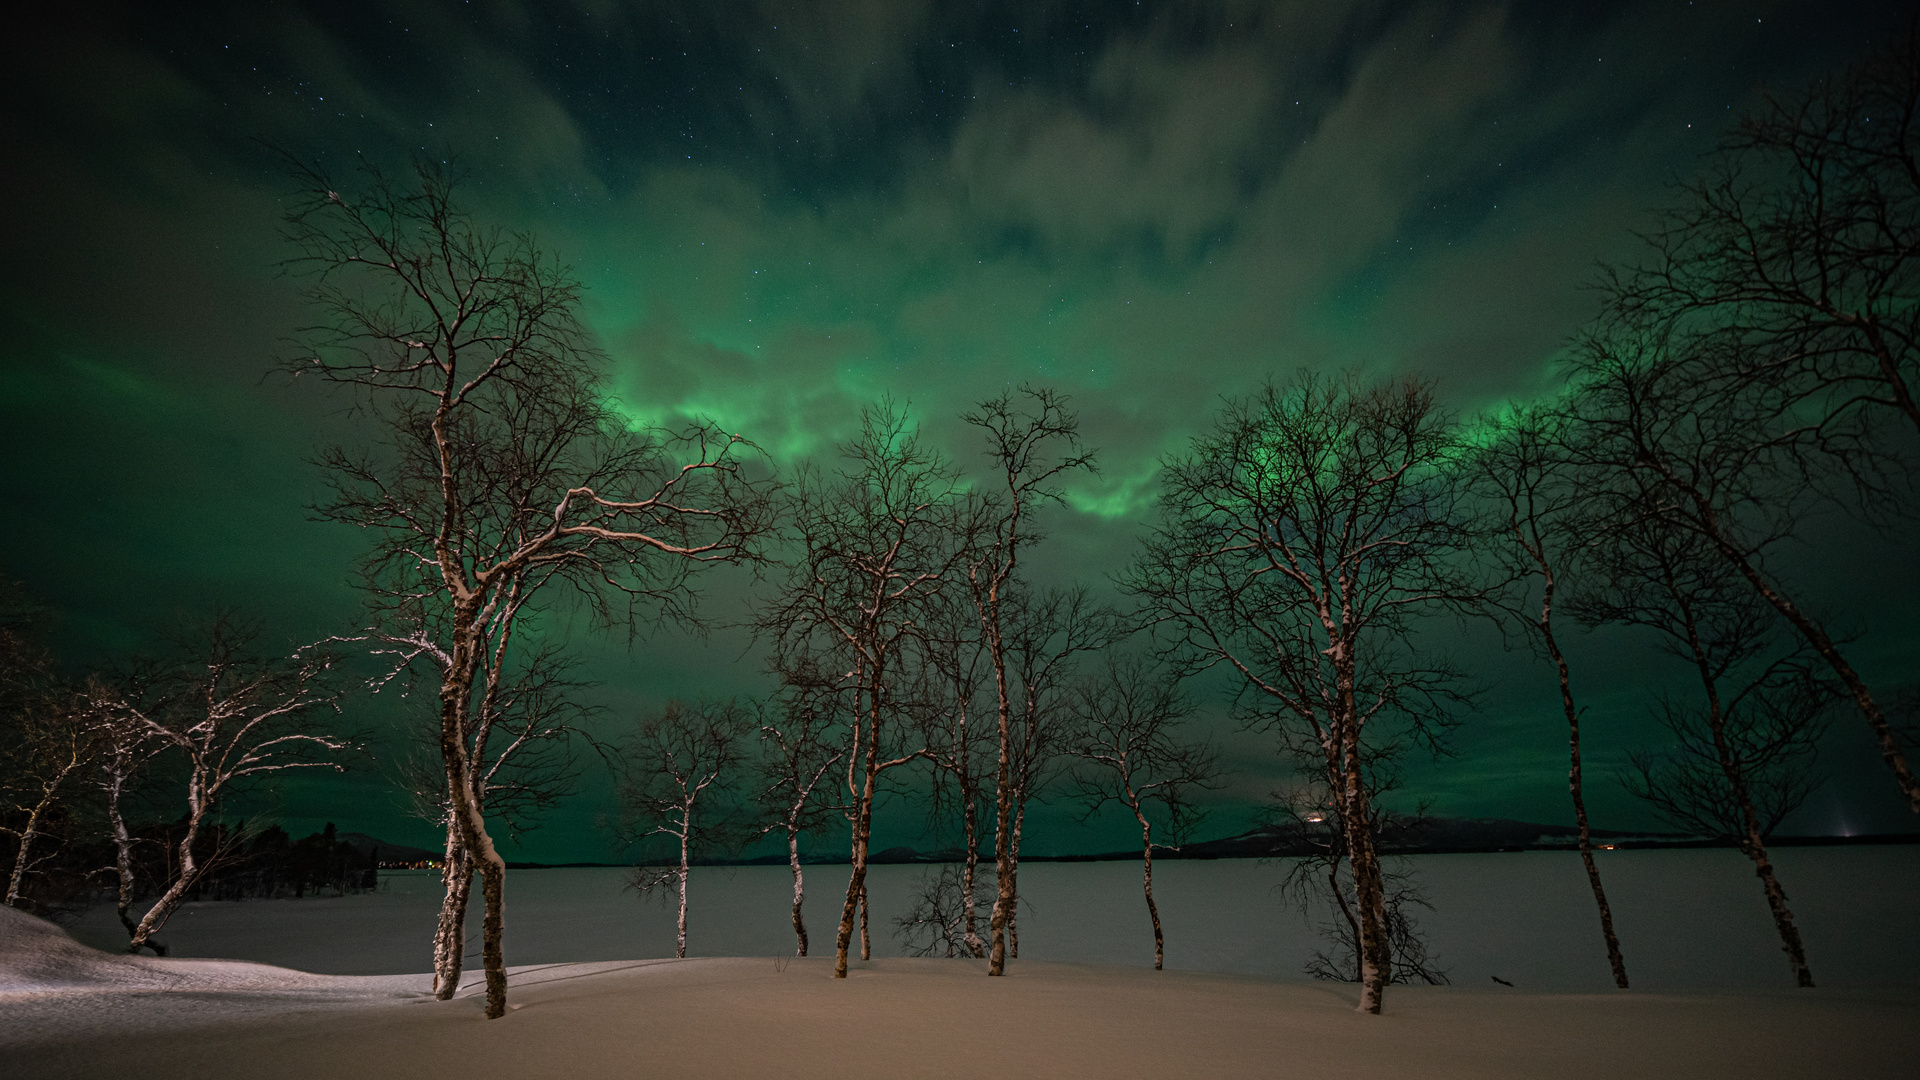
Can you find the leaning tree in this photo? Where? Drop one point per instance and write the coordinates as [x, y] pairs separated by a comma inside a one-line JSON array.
[[46, 742], [48, 746], [496, 472], [1788, 273], [235, 714], [1740, 757], [1300, 540], [1660, 429], [1537, 528]]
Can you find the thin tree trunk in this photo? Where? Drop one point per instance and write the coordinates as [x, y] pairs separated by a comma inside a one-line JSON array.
[[122, 853], [1013, 881], [799, 891], [680, 948], [862, 824], [24, 856], [866, 943], [1005, 893], [1752, 845], [1003, 896], [1545, 623], [1815, 635], [970, 825], [1376, 959], [1755, 849], [1376, 969], [450, 934], [1777, 904], [156, 916], [1146, 866]]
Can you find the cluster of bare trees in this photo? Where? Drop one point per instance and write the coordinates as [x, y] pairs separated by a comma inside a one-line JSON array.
[[903, 612], [90, 763], [1754, 370], [500, 480], [915, 661]]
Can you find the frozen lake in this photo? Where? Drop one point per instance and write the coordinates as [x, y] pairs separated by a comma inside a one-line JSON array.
[[1686, 919]]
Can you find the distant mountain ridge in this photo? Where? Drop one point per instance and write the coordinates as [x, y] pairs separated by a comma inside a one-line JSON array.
[[1443, 835], [1421, 836], [384, 853], [1432, 835]]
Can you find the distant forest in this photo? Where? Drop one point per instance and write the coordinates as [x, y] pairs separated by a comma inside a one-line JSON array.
[[239, 864]]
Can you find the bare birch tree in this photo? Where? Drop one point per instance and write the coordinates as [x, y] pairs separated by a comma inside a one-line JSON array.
[[800, 745], [128, 745], [45, 743], [1764, 745], [1032, 441], [51, 745], [521, 744], [676, 779], [1801, 239], [942, 910], [503, 474], [874, 542], [1790, 270], [1129, 718], [1737, 766], [1524, 474], [1316, 882], [234, 715], [1044, 637], [1300, 540], [1662, 432], [960, 739]]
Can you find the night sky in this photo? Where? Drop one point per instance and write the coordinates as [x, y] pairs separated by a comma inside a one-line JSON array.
[[785, 211]]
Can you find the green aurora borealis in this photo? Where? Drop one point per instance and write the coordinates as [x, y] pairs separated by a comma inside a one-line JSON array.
[[785, 211]]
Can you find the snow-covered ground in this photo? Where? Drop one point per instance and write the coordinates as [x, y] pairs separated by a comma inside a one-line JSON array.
[[52, 986], [585, 1003], [1688, 920]]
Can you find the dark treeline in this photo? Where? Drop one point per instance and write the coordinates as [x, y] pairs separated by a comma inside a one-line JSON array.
[[1750, 373], [271, 864], [239, 864]]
